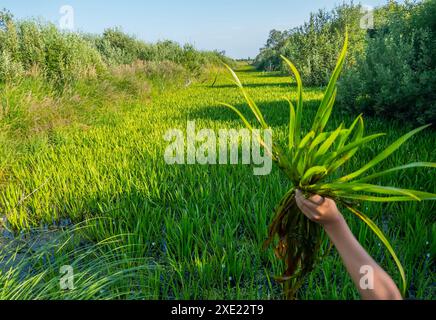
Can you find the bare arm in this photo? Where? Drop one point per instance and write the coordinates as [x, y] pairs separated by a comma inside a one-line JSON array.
[[354, 256]]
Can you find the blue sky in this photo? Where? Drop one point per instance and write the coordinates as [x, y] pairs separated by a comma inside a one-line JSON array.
[[240, 27]]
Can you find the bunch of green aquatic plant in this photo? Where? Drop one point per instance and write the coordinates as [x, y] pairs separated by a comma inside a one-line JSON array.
[[311, 162]]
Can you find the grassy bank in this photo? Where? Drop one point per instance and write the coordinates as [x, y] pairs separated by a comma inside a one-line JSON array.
[[149, 230]]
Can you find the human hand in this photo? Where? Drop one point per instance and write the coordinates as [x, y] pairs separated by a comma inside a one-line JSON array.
[[319, 209]]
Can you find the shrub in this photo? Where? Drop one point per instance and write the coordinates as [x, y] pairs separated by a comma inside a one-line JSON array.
[[10, 69], [117, 47], [396, 75], [312, 45], [161, 73], [31, 45], [68, 57], [62, 58]]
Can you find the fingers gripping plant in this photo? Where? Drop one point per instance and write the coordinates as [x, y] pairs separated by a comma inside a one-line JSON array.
[[310, 162]]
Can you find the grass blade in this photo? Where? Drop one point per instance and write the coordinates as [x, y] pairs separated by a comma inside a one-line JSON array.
[[359, 143], [299, 111], [383, 155], [326, 116], [352, 187], [385, 241], [254, 108], [318, 170], [330, 87], [247, 124], [292, 125], [407, 166], [364, 197], [328, 143], [345, 137], [296, 163], [244, 120]]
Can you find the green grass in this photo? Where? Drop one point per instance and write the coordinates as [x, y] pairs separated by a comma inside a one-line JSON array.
[[185, 231]]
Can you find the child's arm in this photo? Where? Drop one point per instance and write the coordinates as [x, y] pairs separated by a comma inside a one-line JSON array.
[[325, 212]]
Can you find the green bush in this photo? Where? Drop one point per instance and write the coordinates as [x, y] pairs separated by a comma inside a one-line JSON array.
[[62, 58], [396, 76], [68, 57], [391, 69], [31, 44], [10, 69], [118, 48], [35, 48], [312, 45]]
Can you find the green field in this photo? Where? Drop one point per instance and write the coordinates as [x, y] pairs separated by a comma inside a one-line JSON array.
[[135, 227]]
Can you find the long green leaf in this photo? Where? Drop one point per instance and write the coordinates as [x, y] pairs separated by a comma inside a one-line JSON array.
[[306, 140], [383, 155], [296, 163], [359, 143], [254, 108], [328, 143], [350, 151], [318, 140], [247, 124], [353, 186], [330, 87], [385, 241], [299, 111], [326, 116], [318, 170], [292, 125], [364, 197], [234, 109], [345, 137], [407, 166], [328, 158]]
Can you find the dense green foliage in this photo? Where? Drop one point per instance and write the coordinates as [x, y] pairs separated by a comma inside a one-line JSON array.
[[31, 48], [311, 163], [28, 47], [119, 48], [313, 46], [396, 75], [83, 181], [178, 231], [391, 68]]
